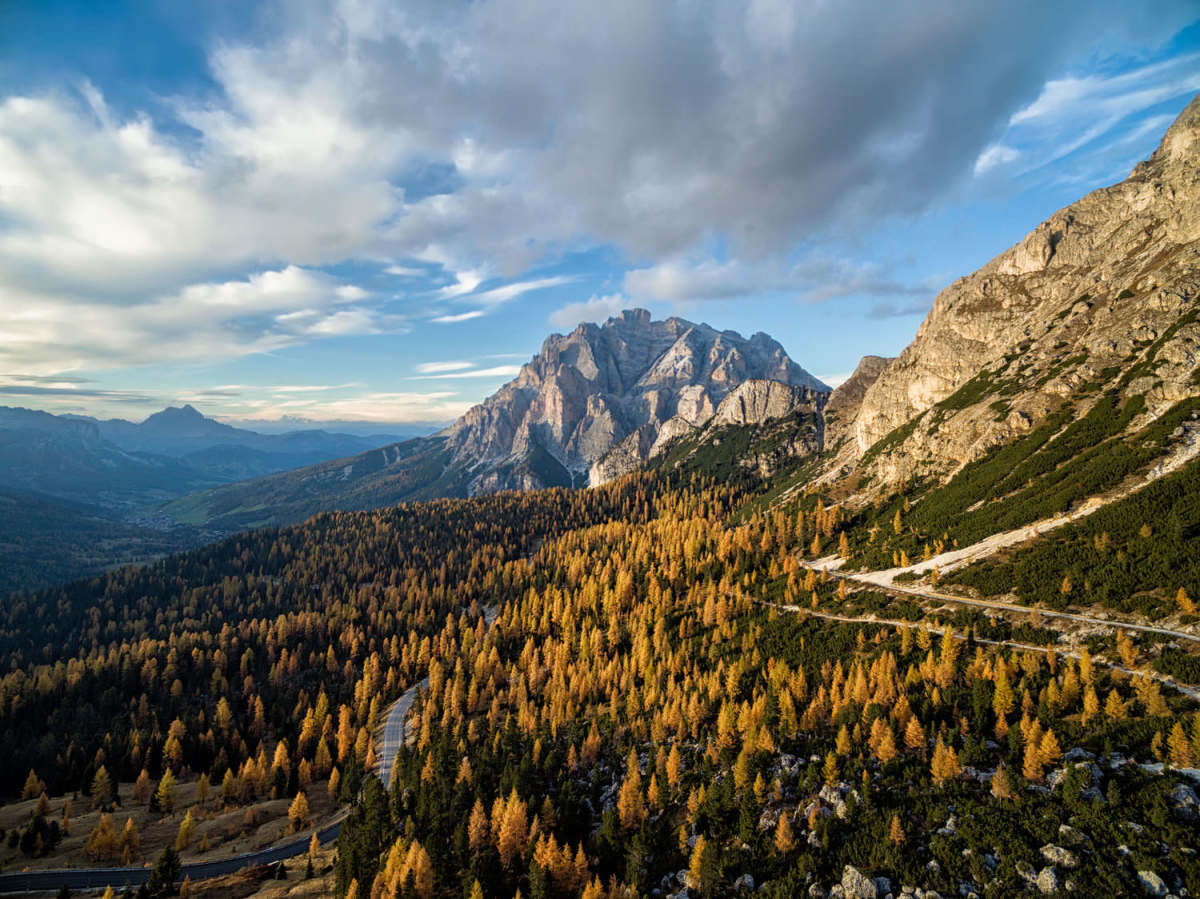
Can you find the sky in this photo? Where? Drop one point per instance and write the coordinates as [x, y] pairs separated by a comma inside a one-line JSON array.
[[369, 210]]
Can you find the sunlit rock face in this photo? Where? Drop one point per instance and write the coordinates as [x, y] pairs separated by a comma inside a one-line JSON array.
[[615, 392]]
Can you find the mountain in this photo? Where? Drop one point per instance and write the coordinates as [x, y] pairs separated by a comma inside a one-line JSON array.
[[76, 490], [69, 458], [1101, 295], [118, 464], [591, 405], [601, 400]]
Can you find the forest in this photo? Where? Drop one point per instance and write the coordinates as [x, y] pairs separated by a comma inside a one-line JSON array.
[[642, 714]]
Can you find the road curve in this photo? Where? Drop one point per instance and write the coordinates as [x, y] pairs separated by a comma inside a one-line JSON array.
[[98, 878], [393, 733]]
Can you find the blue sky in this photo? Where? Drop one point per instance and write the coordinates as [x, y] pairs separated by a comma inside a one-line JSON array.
[[365, 210]]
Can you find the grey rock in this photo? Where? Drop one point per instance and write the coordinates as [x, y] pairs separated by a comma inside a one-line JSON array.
[[1026, 304], [1057, 855], [745, 882], [857, 885], [1153, 884], [1069, 834], [1047, 881], [608, 391]]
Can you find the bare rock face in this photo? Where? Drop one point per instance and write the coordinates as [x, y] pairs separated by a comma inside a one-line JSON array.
[[1084, 294], [846, 399], [614, 392]]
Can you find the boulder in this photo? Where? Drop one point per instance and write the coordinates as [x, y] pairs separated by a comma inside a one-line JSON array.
[[1057, 855], [857, 885], [1047, 881], [1153, 883]]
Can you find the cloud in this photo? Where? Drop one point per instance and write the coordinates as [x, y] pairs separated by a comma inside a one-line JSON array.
[[496, 371], [891, 310], [813, 279], [995, 156], [437, 367], [497, 295], [45, 333], [1101, 118], [596, 309], [521, 135], [459, 317]]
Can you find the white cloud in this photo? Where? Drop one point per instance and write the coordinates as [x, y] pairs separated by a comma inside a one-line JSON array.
[[427, 368], [596, 309], [835, 380], [1071, 114], [496, 371], [995, 156], [45, 333], [507, 292], [460, 317]]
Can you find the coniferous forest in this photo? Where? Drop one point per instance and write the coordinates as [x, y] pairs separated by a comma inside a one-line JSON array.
[[663, 698]]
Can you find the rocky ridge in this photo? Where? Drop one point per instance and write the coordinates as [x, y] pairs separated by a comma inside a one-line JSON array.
[[1078, 301], [601, 400]]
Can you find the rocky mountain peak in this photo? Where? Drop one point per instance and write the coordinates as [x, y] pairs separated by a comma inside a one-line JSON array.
[[618, 383]]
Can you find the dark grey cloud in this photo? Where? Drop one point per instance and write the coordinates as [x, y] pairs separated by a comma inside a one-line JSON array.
[[657, 126]]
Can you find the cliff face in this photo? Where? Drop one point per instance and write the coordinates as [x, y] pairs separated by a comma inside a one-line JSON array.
[[616, 392], [1076, 301]]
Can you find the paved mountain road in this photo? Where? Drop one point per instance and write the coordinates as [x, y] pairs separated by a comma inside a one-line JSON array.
[[98, 878], [394, 731]]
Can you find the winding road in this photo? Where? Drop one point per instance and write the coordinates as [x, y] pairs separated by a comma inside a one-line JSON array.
[[98, 878], [932, 595], [394, 731]]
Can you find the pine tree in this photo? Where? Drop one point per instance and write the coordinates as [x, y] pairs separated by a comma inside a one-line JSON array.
[[1180, 747], [700, 867], [830, 769], [102, 789], [1032, 768], [785, 841], [631, 806], [477, 828], [896, 831], [33, 786], [1002, 785], [1185, 602], [166, 792], [298, 811], [187, 831]]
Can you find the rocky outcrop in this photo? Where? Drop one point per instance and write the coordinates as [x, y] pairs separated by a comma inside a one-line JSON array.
[[1080, 297], [846, 399], [616, 392], [755, 402]]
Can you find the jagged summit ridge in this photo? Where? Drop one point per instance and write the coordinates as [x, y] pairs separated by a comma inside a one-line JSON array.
[[617, 384]]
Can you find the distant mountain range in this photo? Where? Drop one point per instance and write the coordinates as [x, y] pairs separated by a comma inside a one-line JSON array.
[[121, 465], [78, 493], [588, 407]]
